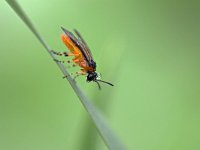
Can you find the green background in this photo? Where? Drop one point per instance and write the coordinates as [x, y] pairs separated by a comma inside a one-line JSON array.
[[150, 51]]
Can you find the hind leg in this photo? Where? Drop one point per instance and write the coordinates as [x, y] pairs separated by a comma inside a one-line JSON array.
[[62, 53]]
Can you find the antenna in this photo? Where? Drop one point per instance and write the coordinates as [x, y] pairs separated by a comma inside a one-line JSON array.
[[98, 85], [105, 82]]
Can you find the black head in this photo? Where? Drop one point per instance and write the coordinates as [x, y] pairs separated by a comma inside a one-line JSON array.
[[93, 76]]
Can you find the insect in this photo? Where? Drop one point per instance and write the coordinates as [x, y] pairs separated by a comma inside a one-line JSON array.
[[82, 56]]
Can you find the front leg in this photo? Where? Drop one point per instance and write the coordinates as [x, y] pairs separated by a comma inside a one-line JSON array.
[[77, 74]]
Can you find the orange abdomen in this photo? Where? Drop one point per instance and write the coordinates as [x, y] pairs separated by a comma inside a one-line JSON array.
[[76, 52]]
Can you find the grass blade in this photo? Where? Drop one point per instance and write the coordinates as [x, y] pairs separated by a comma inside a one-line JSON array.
[[91, 138], [106, 132]]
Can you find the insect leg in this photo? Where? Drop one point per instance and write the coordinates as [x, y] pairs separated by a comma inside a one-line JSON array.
[[60, 61], [63, 61], [79, 74], [62, 53], [73, 65]]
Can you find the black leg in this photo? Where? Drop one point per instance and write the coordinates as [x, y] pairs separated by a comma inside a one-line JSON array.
[[60, 53]]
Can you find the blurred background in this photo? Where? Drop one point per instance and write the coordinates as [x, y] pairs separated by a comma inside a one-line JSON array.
[[149, 50]]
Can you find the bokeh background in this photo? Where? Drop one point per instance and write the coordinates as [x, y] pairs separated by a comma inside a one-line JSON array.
[[150, 51]]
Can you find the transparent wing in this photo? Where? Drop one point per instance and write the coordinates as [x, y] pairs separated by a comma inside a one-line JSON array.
[[72, 37], [84, 44]]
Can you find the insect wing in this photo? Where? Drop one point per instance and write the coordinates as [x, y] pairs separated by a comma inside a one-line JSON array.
[[70, 35], [77, 43], [84, 44]]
